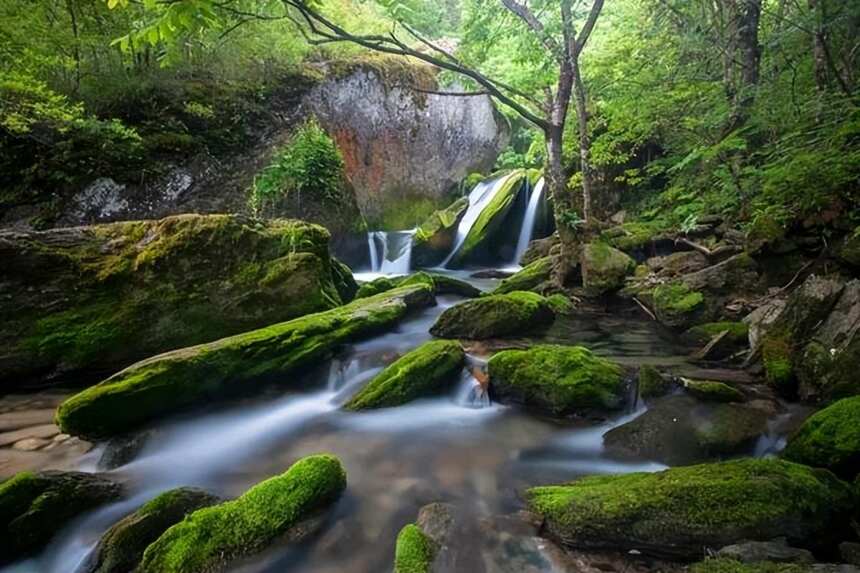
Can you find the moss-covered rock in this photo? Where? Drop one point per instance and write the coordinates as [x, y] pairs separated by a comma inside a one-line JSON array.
[[676, 304], [441, 284], [34, 506], [680, 430], [604, 268], [738, 333], [849, 250], [377, 286], [528, 278], [711, 391], [558, 380], [538, 249], [491, 217], [427, 370], [100, 297], [652, 384], [434, 238], [344, 282], [680, 511], [239, 364], [830, 439], [121, 547], [210, 538], [724, 565], [632, 236], [495, 316], [450, 285], [414, 551], [560, 304]]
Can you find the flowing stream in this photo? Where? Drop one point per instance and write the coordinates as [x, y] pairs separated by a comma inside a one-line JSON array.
[[458, 448]]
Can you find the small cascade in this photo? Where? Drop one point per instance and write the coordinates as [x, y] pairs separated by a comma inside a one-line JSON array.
[[479, 198], [471, 393], [390, 253], [527, 229]]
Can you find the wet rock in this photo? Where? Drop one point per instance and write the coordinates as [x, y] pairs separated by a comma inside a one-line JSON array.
[[441, 284], [710, 391], [343, 280], [121, 547], [121, 450], [210, 538], [557, 380], [30, 444], [495, 316], [738, 333], [830, 439], [849, 250], [435, 237], [239, 364], [776, 550], [736, 274], [604, 268], [98, 298], [436, 520], [761, 318], [680, 430], [652, 384], [676, 305], [41, 431], [492, 274], [26, 418], [429, 369], [679, 263], [529, 278], [538, 249], [34, 506], [828, 367], [681, 511]]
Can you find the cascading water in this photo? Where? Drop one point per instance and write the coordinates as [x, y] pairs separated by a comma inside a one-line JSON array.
[[390, 253], [527, 229], [479, 198]]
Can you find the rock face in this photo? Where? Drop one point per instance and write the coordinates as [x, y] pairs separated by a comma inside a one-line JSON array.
[[210, 538], [528, 278], [604, 268], [495, 316], [680, 511], [183, 378], [400, 145], [34, 506], [98, 298], [557, 380], [830, 439], [121, 547], [427, 370], [435, 236]]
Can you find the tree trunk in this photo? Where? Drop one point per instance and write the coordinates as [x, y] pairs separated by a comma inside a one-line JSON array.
[[745, 16], [819, 50], [562, 203], [580, 101]]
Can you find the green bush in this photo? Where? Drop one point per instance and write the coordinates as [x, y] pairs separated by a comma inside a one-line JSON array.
[[309, 165]]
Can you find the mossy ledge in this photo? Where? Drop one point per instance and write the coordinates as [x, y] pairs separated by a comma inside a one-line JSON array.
[[528, 278], [557, 380], [236, 365], [495, 316], [414, 551], [441, 284], [678, 512], [427, 370], [34, 506], [830, 439], [210, 538]]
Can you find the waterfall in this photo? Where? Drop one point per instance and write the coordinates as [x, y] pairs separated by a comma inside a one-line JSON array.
[[529, 221], [479, 198], [390, 253], [470, 392]]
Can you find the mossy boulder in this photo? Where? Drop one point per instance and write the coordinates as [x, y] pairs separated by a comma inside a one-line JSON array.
[[681, 511], [538, 249], [378, 285], [414, 551], [681, 430], [231, 366], [737, 333], [35, 506], [434, 238], [652, 384], [491, 217], [441, 284], [557, 380], [560, 304], [849, 250], [94, 299], [604, 268], [450, 285], [210, 538], [632, 236], [528, 278], [121, 547], [676, 304], [427, 370], [495, 316], [344, 282], [830, 439], [711, 391]]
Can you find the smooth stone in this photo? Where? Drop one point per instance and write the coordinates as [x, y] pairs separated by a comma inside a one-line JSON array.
[[43, 431]]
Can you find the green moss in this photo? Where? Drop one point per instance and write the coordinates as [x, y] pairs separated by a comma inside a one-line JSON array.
[[495, 316], [236, 365], [631, 236], [450, 285], [427, 370], [850, 249], [676, 303], [560, 304], [738, 332], [441, 284], [404, 212], [652, 384], [604, 268], [560, 380], [711, 391], [723, 565], [393, 72], [376, 286], [121, 547], [492, 216], [344, 282], [34, 506], [414, 551], [441, 220], [211, 537], [527, 278], [776, 351], [830, 439], [681, 510]]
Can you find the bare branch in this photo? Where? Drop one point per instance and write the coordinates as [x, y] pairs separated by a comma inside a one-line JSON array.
[[526, 15], [583, 35]]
